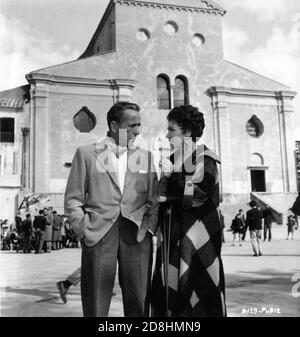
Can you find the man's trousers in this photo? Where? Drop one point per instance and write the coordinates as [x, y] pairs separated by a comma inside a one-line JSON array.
[[27, 243], [75, 277], [98, 270], [40, 241], [255, 236], [268, 228]]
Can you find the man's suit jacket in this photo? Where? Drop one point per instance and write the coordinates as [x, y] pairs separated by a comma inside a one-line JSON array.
[[40, 222], [93, 200], [254, 219]]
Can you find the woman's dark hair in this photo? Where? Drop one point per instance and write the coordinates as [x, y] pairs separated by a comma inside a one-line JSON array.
[[116, 111], [188, 118]]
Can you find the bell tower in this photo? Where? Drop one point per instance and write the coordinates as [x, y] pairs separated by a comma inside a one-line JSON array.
[[131, 26]]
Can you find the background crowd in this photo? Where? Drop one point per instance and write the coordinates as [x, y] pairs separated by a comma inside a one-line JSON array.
[[41, 233], [50, 231], [259, 222]]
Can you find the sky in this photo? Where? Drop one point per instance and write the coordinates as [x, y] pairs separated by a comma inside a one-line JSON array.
[[261, 35]]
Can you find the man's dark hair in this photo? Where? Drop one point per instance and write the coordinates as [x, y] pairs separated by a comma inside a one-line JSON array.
[[240, 210], [116, 111], [41, 211], [188, 118], [28, 215], [54, 212]]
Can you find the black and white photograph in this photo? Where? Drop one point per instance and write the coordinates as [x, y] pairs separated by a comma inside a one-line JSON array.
[[150, 159]]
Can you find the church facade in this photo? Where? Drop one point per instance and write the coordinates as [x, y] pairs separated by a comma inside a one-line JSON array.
[[159, 54]]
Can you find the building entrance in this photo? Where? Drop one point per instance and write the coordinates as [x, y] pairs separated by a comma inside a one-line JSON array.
[[258, 181]]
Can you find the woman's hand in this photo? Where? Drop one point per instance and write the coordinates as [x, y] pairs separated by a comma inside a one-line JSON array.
[[167, 167]]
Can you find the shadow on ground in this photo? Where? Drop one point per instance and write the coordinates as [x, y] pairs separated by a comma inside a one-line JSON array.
[[45, 295]]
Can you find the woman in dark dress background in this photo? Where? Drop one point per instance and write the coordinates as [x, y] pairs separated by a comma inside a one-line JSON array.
[[190, 225]]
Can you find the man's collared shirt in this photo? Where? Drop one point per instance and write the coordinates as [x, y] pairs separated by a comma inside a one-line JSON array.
[[119, 160]]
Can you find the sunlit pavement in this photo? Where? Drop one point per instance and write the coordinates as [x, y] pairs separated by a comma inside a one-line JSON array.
[[255, 286]]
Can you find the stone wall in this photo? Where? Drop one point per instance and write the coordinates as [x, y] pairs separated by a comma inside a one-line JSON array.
[[242, 145]]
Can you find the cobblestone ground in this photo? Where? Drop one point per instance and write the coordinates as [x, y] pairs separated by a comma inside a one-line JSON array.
[[255, 286]]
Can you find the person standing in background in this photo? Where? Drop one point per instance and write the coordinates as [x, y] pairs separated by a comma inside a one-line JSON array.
[[254, 222], [39, 224], [268, 218], [238, 229], [18, 225], [63, 233], [49, 229], [56, 236], [241, 212], [291, 223], [27, 234]]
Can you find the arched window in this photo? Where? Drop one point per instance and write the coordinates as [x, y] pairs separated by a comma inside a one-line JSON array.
[[163, 92], [180, 91], [84, 120], [7, 130], [256, 159], [255, 127]]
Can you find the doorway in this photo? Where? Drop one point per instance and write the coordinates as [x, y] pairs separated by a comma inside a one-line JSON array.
[[258, 181]]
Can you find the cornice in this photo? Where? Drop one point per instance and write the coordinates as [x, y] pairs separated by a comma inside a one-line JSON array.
[[216, 91], [286, 94], [66, 80], [148, 4], [257, 167]]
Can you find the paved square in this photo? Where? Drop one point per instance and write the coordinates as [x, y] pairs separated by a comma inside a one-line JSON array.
[[254, 285]]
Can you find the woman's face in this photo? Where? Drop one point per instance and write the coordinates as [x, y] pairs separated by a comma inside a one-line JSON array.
[[176, 134]]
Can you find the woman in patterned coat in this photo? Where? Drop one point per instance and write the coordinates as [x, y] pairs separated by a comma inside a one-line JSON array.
[[190, 225]]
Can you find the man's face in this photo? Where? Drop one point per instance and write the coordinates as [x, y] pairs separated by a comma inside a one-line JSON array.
[[129, 127]]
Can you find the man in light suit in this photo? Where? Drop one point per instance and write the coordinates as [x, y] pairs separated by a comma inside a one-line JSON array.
[[111, 201]]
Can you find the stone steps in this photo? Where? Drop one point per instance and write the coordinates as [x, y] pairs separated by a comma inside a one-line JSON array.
[[280, 203]]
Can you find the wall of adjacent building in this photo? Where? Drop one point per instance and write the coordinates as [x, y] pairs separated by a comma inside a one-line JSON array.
[[11, 162]]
